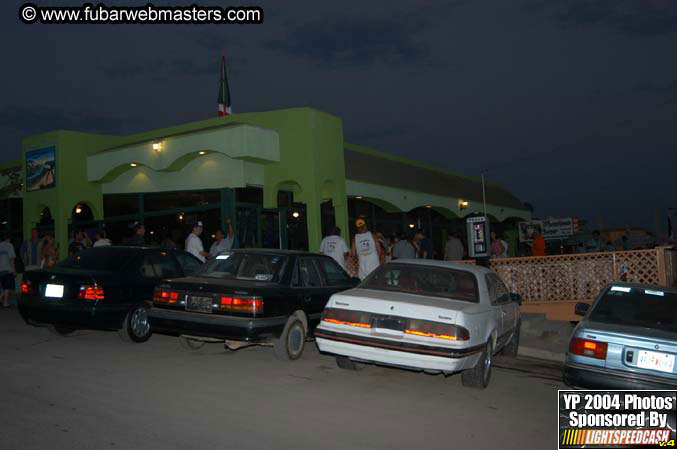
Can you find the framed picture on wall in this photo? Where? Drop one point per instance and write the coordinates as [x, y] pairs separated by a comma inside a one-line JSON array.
[[41, 169]]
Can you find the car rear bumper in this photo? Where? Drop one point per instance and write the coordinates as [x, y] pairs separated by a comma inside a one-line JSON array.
[[587, 377], [216, 326], [390, 353], [73, 314]]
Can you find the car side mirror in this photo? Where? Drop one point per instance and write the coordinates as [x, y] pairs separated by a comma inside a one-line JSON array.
[[581, 309], [515, 297]]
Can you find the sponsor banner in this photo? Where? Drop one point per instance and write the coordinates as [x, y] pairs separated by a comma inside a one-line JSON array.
[[41, 169], [549, 228], [617, 419]]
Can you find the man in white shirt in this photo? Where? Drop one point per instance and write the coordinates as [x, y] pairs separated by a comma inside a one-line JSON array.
[[7, 269], [222, 242], [194, 243], [334, 246], [366, 248]]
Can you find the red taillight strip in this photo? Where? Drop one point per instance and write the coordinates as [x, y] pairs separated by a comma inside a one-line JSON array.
[[352, 324], [241, 304], [586, 347], [433, 335], [26, 287], [91, 292]]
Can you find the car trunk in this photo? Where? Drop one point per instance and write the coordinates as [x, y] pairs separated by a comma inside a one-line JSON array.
[[62, 284], [637, 349]]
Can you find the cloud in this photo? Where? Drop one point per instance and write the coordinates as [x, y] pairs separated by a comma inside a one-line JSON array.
[[351, 41], [629, 17]]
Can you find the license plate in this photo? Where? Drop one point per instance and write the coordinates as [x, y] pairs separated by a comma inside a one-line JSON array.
[[656, 361], [199, 304], [389, 323], [54, 290]]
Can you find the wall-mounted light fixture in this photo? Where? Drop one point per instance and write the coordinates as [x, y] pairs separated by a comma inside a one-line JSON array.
[[411, 225], [463, 204], [133, 164], [202, 152], [359, 197], [157, 146], [78, 209], [296, 214], [428, 206]]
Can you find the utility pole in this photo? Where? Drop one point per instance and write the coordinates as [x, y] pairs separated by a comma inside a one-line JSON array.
[[484, 195]]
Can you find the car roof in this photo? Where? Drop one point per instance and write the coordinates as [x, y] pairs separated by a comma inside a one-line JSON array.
[[275, 251], [656, 287], [475, 269]]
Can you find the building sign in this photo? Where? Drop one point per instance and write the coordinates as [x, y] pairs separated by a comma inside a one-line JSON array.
[[550, 229], [10, 182], [41, 169]]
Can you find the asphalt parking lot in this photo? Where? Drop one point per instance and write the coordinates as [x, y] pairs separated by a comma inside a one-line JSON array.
[[93, 391]]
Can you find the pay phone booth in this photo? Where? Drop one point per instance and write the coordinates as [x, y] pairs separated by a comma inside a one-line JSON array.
[[478, 237]]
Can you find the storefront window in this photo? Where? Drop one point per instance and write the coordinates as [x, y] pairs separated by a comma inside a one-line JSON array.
[[249, 194], [175, 200], [120, 204]]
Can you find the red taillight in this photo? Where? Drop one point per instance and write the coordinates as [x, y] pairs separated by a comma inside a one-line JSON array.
[[90, 293], [337, 316], [437, 330], [161, 296], [26, 287], [242, 304], [586, 347]]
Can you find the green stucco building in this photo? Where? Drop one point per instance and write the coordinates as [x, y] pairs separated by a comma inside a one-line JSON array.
[[284, 176]]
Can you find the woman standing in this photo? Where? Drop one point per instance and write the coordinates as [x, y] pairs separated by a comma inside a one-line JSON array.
[[49, 254]]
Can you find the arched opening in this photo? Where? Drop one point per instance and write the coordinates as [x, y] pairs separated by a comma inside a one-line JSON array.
[[45, 221]]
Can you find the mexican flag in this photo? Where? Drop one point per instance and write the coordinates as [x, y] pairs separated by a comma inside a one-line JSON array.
[[224, 92]]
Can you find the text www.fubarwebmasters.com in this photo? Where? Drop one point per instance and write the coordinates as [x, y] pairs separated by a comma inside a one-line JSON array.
[[147, 14]]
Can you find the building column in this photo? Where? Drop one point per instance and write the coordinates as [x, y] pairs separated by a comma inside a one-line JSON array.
[[228, 209], [314, 222], [341, 217], [60, 218]]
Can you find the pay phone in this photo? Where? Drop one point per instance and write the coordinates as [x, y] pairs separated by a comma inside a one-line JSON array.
[[478, 237]]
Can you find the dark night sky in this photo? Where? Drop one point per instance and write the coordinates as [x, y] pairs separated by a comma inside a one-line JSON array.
[[570, 104]]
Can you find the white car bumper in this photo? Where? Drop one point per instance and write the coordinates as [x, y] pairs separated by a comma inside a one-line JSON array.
[[396, 357]]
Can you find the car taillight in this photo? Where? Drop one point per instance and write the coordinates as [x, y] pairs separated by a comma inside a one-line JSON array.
[[163, 296], [26, 287], [586, 347], [437, 330], [241, 304], [346, 317], [89, 292]]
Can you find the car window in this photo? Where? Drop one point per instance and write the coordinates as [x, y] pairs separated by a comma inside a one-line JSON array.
[[164, 265], [307, 274], [334, 275], [498, 292], [188, 263], [246, 266], [424, 280], [634, 306], [491, 287], [144, 267]]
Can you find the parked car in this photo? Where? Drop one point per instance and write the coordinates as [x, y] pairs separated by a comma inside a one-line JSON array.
[[245, 297], [106, 288], [427, 315], [627, 340]]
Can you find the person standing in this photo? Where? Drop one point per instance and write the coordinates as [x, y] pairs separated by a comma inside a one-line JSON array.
[[7, 269], [334, 246], [222, 243], [101, 240], [423, 245], [30, 251], [538, 245], [366, 248], [403, 249], [453, 250], [194, 243], [497, 248], [138, 236], [48, 255]]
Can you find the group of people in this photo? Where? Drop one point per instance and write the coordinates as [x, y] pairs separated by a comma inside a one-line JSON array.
[[373, 249]]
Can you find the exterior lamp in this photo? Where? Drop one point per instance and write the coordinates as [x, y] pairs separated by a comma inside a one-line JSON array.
[[201, 152], [359, 197], [463, 204], [428, 206], [180, 216], [132, 164], [78, 209], [157, 146], [296, 214], [411, 225]]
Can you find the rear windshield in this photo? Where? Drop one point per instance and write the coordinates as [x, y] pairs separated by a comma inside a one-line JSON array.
[[99, 258], [423, 280], [244, 266], [637, 307]]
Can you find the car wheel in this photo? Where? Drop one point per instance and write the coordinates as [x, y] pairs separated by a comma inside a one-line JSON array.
[[59, 330], [513, 344], [292, 341], [478, 377], [136, 327], [190, 343]]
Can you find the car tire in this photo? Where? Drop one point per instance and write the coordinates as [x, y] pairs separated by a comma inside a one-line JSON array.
[[289, 346], [513, 344], [60, 330], [136, 327], [346, 363], [478, 377], [190, 343]]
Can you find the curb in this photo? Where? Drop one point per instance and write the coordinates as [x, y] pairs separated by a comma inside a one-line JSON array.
[[538, 353]]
